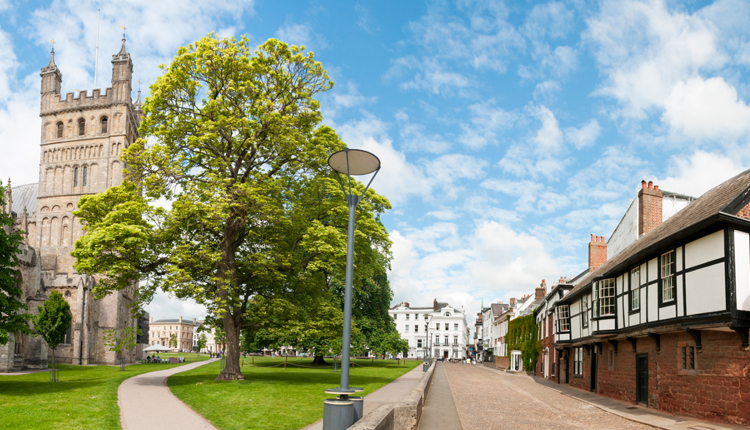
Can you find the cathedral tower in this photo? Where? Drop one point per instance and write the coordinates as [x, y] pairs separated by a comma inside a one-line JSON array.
[[82, 138]]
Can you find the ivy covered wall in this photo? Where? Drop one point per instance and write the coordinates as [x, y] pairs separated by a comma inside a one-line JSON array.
[[523, 336]]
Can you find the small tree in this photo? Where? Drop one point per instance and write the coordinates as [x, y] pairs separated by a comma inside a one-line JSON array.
[[12, 319], [52, 323], [126, 340], [173, 340], [201, 342]]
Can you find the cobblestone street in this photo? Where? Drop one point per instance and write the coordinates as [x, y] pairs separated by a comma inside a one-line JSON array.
[[486, 399]]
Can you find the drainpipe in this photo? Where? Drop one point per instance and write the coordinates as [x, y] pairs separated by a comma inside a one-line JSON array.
[[83, 326]]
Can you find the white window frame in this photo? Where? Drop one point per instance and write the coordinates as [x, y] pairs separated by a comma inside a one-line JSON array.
[[578, 361], [406, 328], [605, 295], [585, 311], [667, 276], [563, 318], [635, 289]]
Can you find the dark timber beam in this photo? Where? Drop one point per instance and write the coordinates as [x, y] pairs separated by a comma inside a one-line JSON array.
[[696, 334], [657, 339], [633, 341], [613, 342], [742, 333]]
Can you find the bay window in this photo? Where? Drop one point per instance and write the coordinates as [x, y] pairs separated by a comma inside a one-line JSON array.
[[563, 318]]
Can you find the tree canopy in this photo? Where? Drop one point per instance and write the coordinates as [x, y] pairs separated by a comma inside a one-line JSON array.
[[53, 321]]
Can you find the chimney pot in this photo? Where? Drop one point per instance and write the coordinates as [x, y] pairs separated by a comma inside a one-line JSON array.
[[597, 253], [592, 237], [656, 187], [643, 184], [650, 184]]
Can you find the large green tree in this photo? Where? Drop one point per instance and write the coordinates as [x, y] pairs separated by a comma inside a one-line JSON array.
[[12, 317], [52, 323], [122, 341], [237, 148]]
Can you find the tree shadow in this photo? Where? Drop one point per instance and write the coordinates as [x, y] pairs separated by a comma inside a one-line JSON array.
[[36, 388]]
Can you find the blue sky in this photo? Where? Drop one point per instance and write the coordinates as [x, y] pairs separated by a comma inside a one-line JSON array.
[[508, 131]]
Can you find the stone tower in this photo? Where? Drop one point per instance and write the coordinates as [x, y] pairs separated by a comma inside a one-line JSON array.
[[82, 138]]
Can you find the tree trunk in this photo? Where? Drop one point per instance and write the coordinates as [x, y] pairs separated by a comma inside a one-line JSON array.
[[54, 373], [232, 370], [319, 360]]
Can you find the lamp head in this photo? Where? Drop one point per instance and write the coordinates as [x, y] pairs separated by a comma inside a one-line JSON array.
[[354, 162]]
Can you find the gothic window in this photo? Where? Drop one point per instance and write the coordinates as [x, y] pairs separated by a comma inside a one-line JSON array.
[[59, 130], [81, 127], [85, 174], [104, 124], [75, 177], [68, 335]]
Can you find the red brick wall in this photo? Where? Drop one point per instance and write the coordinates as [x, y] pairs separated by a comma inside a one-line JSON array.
[[744, 212], [649, 207], [718, 390], [502, 362]]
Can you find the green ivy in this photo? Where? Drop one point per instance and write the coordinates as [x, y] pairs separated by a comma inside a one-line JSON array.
[[522, 336]]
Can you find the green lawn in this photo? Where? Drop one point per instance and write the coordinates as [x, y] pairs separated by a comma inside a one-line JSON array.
[[271, 397], [85, 397]]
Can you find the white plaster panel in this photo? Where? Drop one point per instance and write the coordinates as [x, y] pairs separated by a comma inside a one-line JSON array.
[[680, 301], [634, 319], [678, 258], [625, 233], [619, 284], [705, 290], [666, 313], [704, 249], [653, 270], [575, 327], [607, 324], [742, 269], [653, 302]]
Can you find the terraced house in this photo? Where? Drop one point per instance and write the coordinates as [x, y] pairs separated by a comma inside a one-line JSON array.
[[664, 322]]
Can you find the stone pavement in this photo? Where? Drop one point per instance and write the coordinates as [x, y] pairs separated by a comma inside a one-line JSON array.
[[489, 399], [146, 403], [632, 412], [393, 392], [439, 410]]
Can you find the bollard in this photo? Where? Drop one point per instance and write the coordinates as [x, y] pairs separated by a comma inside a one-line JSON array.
[[338, 414], [425, 367]]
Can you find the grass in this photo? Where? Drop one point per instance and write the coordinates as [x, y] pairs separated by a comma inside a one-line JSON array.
[[85, 397], [271, 397]]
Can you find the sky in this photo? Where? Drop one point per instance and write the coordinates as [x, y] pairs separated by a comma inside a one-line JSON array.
[[508, 131]]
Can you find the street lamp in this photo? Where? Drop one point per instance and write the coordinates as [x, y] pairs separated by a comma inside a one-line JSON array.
[[340, 413], [427, 320]]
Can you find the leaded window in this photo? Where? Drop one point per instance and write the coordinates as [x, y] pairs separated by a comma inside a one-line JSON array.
[[585, 311], [635, 291], [606, 297], [563, 318], [667, 276], [578, 361], [59, 130], [85, 175], [75, 177], [81, 127], [104, 124]]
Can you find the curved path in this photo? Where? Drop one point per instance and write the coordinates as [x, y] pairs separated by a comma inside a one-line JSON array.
[[146, 403]]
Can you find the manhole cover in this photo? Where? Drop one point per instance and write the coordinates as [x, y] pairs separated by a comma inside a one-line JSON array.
[[633, 407]]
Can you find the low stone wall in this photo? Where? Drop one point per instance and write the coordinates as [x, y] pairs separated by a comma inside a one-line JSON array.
[[502, 362], [399, 416]]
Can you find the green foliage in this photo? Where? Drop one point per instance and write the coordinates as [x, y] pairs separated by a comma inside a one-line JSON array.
[[53, 321], [173, 340], [125, 340], [232, 138], [11, 302], [522, 336], [201, 342]]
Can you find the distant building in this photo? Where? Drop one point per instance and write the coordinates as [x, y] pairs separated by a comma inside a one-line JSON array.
[[439, 331], [161, 331]]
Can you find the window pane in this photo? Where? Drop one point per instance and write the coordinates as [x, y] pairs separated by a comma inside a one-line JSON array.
[[667, 276]]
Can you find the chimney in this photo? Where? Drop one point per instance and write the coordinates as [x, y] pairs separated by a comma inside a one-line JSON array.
[[406, 304], [434, 305], [180, 319], [193, 321], [562, 280], [597, 252], [649, 207], [512, 302], [500, 302], [151, 319], [541, 290]]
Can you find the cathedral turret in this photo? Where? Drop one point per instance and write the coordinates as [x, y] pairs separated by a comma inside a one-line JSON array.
[[138, 108], [51, 82], [122, 74]]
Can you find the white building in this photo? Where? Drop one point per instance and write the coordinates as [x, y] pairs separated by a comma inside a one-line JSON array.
[[489, 330], [441, 329]]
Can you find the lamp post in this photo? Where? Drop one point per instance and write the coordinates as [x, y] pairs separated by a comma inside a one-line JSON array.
[[340, 413]]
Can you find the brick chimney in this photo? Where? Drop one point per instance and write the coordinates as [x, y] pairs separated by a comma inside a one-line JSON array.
[[434, 305], [406, 304], [649, 207], [512, 302], [597, 252], [541, 290]]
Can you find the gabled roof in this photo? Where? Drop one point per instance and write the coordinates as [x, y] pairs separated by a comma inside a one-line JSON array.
[[498, 308], [24, 196], [724, 200]]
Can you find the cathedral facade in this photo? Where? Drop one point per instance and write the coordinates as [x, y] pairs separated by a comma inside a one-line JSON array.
[[81, 141]]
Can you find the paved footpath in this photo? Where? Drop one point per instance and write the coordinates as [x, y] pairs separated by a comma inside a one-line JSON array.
[[146, 403], [488, 399], [439, 410], [393, 392]]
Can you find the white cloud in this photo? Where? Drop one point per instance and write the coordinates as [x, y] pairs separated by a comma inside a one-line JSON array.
[[8, 64], [163, 306], [428, 74], [486, 121], [416, 138], [301, 35], [699, 172], [706, 109], [585, 136], [551, 19], [365, 20]]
